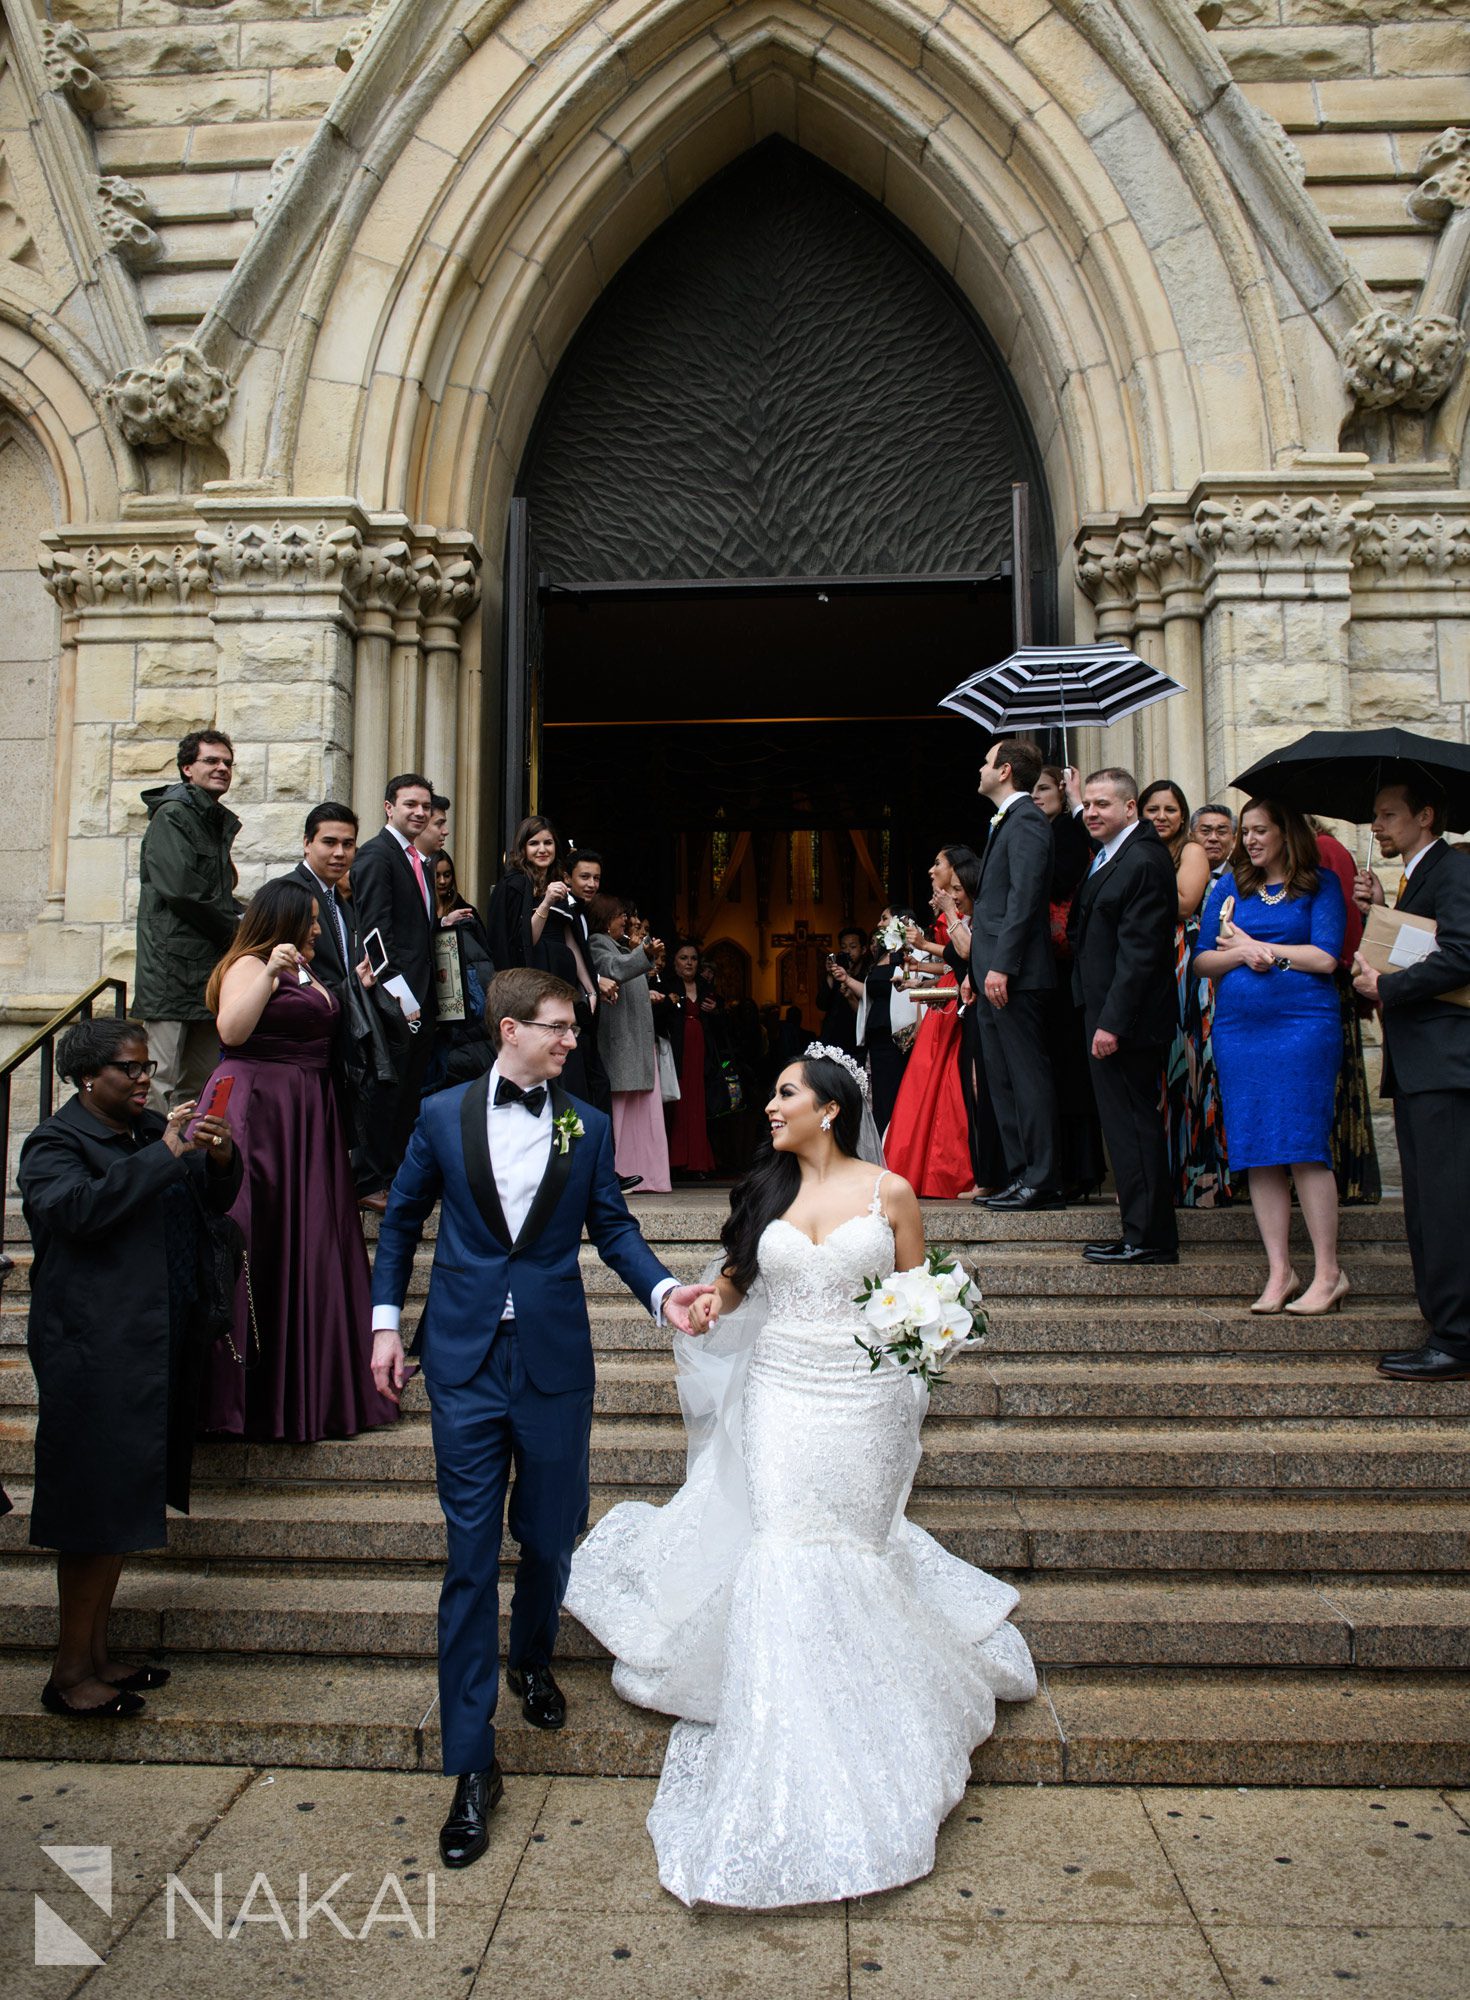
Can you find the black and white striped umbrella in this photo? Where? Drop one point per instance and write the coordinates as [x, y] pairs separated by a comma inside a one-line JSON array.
[[1060, 687]]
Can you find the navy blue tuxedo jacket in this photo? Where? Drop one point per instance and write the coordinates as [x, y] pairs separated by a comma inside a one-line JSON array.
[[475, 1262]]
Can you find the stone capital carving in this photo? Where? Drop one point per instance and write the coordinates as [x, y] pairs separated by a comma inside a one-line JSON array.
[[385, 577], [124, 213], [1414, 547], [124, 577], [1171, 556], [66, 55], [281, 168], [1107, 569], [454, 591], [282, 555], [177, 397], [1409, 363], [1444, 177], [1288, 530]]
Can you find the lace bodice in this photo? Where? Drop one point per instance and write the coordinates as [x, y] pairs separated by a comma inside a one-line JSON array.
[[810, 1283]]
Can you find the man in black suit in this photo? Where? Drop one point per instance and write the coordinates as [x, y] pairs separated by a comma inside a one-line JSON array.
[[1013, 970], [395, 897], [1426, 1069], [1122, 930], [329, 846]]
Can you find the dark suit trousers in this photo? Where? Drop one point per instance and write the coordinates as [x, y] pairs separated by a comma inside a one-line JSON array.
[[1018, 1073], [497, 1421], [987, 1154], [1433, 1128], [1126, 1086], [393, 1108]]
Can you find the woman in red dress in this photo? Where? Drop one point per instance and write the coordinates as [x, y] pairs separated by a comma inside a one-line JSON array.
[[928, 1137], [685, 1015]]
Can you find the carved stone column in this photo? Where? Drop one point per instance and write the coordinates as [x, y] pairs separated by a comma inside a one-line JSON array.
[[1172, 560], [386, 581], [286, 576], [406, 668], [1276, 551], [455, 594], [1107, 565]]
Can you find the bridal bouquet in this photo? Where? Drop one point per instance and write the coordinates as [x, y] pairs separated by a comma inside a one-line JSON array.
[[922, 1317]]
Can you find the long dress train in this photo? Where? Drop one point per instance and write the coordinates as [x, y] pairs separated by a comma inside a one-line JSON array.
[[833, 1667]]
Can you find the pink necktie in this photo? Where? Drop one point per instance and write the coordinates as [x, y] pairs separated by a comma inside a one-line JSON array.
[[416, 860]]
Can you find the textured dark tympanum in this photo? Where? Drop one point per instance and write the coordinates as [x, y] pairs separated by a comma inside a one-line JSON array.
[[778, 384]]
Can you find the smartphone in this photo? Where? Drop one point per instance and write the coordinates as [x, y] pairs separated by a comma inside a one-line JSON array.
[[377, 953], [219, 1098]]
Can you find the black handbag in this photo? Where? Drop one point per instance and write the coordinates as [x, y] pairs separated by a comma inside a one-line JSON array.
[[222, 1258]]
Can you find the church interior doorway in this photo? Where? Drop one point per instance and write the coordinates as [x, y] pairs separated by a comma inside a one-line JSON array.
[[763, 523]]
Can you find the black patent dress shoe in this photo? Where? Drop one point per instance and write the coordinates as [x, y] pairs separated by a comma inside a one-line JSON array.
[[465, 1835], [1025, 1200], [142, 1680], [1127, 1253], [56, 1703], [1425, 1364], [627, 1182], [542, 1702]]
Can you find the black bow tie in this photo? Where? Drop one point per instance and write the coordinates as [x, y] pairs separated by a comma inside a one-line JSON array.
[[507, 1092]]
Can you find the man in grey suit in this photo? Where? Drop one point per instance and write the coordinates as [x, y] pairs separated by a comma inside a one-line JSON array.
[[1012, 970], [1426, 1067]]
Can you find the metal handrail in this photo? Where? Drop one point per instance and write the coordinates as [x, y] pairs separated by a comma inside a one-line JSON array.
[[43, 1042]]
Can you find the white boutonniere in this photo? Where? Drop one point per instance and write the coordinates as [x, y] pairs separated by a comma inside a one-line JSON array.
[[567, 1126]]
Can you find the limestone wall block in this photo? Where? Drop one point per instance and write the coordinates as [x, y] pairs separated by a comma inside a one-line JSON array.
[[345, 344], [212, 196], [176, 51], [568, 89], [1399, 261], [167, 12], [1385, 104], [62, 390], [636, 212], [853, 149], [91, 772], [1454, 658], [146, 762], [176, 662], [171, 712], [1395, 645], [913, 199], [303, 93], [1292, 105], [28, 628], [205, 100], [1202, 297], [323, 462], [409, 196], [1098, 200], [96, 872], [104, 683], [1348, 156], [1287, 55], [1369, 206], [1152, 187], [1422, 48], [1229, 401], [140, 149], [1069, 69], [713, 143], [119, 954], [1321, 399], [258, 713], [88, 14], [1242, 635], [646, 33], [127, 813], [1297, 696], [535, 26], [1396, 697], [1008, 19], [272, 832], [474, 98], [293, 771], [254, 145], [286, 45]]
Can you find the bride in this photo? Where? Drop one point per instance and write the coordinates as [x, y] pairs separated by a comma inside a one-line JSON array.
[[831, 1665]]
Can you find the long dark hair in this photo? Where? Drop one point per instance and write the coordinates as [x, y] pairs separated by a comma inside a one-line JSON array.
[[1177, 842], [769, 1189], [280, 912], [1302, 859], [966, 864], [515, 858]]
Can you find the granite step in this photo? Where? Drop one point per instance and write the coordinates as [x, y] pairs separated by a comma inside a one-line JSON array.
[[1338, 1537], [1163, 1622], [1158, 1726]]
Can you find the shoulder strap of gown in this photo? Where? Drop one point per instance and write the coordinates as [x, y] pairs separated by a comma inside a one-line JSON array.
[[875, 1206]]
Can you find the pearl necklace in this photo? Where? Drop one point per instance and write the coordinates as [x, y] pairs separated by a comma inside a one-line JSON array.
[[1271, 897]]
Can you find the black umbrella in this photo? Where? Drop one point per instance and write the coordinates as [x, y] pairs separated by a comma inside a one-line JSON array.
[[1336, 772]]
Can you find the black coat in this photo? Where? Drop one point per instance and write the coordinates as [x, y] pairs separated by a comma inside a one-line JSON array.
[[508, 924], [327, 964], [668, 1021], [1426, 1040], [117, 1381], [386, 894], [1010, 929], [1122, 933]]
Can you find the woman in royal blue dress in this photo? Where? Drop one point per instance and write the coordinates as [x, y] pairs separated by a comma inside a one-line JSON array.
[[1270, 939]]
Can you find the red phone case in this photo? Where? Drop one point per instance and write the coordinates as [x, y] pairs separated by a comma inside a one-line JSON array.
[[219, 1100]]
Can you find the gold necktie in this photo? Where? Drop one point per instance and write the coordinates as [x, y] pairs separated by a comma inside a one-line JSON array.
[[1403, 884]]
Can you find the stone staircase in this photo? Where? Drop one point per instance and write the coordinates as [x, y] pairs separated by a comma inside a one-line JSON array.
[[1243, 1556]]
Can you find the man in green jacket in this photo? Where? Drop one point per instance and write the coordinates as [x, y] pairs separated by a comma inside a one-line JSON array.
[[187, 914]]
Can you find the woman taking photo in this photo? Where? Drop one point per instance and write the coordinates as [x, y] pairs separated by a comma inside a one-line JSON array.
[[113, 1196], [521, 901], [297, 1367], [1191, 1092], [1079, 1129], [887, 1020], [622, 950], [1270, 940], [685, 1011]]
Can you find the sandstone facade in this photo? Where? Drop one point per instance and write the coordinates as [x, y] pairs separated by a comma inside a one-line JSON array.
[[283, 284]]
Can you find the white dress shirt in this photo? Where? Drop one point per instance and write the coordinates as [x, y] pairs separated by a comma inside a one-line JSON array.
[[1106, 852], [398, 986], [331, 913], [1414, 859], [520, 1152]]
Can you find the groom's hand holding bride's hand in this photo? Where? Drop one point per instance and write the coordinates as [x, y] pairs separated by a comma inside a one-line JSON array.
[[690, 1308]]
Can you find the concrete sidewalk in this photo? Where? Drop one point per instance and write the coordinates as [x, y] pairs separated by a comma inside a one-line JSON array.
[[1101, 1894]]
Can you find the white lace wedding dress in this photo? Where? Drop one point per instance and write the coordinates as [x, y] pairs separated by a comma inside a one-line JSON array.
[[833, 1666]]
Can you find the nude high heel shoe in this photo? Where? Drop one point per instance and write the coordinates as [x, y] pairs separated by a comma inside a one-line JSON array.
[[1332, 1304], [1265, 1305]]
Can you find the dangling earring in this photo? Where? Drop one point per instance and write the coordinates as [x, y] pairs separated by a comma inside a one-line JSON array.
[[87, 1086], [827, 1123]]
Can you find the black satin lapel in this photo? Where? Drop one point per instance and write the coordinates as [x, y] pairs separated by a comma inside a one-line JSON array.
[[558, 1167], [475, 1139]]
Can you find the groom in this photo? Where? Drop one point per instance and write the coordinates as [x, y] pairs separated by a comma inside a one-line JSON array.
[[519, 1167]]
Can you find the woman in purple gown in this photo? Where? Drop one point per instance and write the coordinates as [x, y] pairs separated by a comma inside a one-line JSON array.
[[296, 1366]]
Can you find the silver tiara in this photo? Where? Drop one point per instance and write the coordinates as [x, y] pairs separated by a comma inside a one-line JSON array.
[[830, 1054]]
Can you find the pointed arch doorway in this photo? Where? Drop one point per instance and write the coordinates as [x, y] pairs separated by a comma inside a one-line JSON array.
[[763, 522]]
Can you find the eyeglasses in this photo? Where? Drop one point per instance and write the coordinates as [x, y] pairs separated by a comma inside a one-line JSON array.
[[553, 1027], [136, 1071]]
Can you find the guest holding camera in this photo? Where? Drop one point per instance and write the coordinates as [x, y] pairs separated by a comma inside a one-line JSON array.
[[113, 1195], [887, 1020], [298, 1364], [623, 952], [686, 1012], [531, 882], [1270, 939]]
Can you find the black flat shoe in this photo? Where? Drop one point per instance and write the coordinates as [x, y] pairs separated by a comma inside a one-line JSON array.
[[542, 1702], [142, 1680], [1424, 1364], [53, 1700], [465, 1835]]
